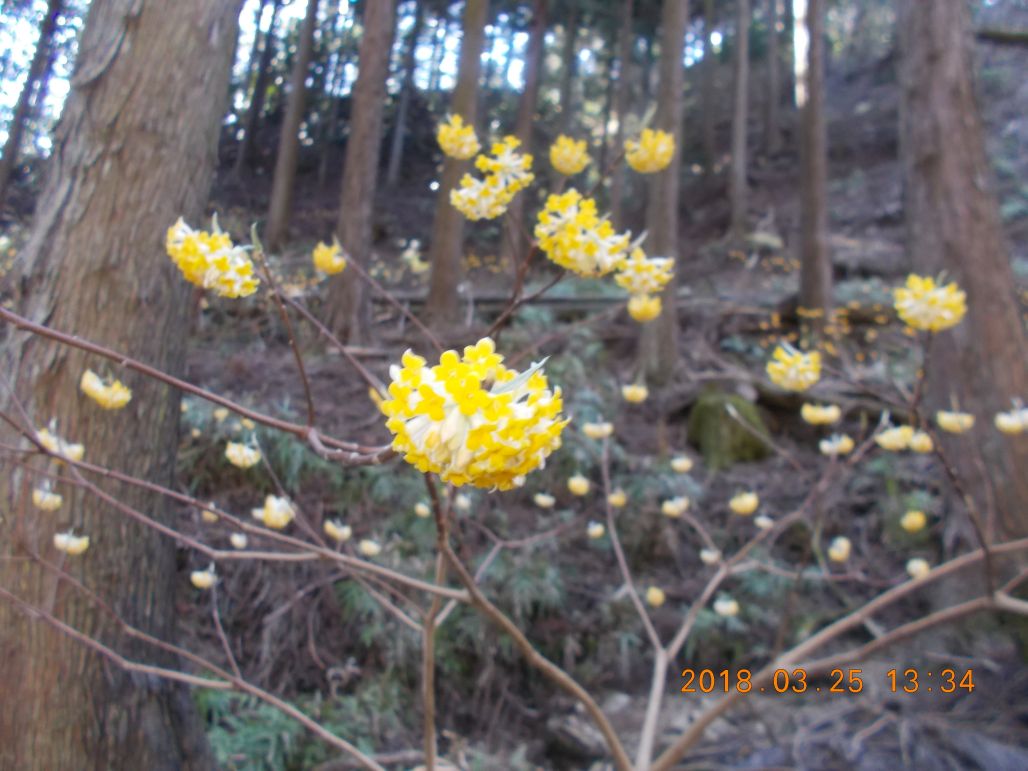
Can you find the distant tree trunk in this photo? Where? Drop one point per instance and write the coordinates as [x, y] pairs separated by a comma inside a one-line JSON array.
[[569, 66], [514, 242], [617, 175], [708, 96], [260, 88], [440, 32], [659, 338], [349, 308], [737, 192], [255, 51], [954, 225], [289, 142], [333, 108], [815, 258], [33, 82], [410, 64], [448, 227], [608, 103], [772, 128], [134, 150]]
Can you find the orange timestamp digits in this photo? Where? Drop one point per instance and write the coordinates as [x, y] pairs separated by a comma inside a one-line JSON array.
[[839, 681]]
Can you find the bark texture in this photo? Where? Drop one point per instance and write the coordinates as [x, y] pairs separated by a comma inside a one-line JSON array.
[[289, 142], [953, 224], [621, 106], [740, 116], [772, 122], [244, 156], [37, 75], [349, 308], [659, 337], [135, 149], [709, 119], [448, 225], [410, 64], [815, 258]]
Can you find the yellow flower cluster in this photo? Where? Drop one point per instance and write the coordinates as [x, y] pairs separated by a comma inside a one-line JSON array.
[[651, 153], [470, 419], [579, 485], [456, 139], [203, 579], [839, 549], [820, 414], [836, 445], [913, 521], [573, 236], [954, 422], [45, 500], [72, 544], [644, 307], [568, 156], [276, 512], [925, 305], [898, 438], [58, 446], [328, 258], [241, 455], [744, 503], [644, 277], [634, 393], [794, 370], [507, 174], [1012, 422], [110, 396], [211, 260]]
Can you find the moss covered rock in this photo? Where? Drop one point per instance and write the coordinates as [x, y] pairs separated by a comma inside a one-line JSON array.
[[719, 437]]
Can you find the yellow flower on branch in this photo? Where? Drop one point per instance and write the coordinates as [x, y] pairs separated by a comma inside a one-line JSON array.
[[918, 568], [457, 139], [328, 258], [913, 521], [241, 455], [573, 236], [839, 549], [110, 396], [726, 607], [710, 556], [203, 579], [422, 510], [652, 152], [634, 393], [644, 308], [895, 438], [921, 442], [470, 419], [821, 414], [655, 596], [568, 156], [794, 370], [72, 544], [276, 513], [46, 500], [337, 531], [675, 507], [598, 430], [369, 548], [744, 503], [836, 445], [1013, 422], [954, 422], [681, 464], [642, 275], [618, 498], [544, 500], [595, 530], [210, 260], [58, 446], [925, 305], [579, 485], [239, 541]]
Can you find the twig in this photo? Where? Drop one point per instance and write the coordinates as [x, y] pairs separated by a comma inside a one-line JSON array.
[[221, 633], [428, 668]]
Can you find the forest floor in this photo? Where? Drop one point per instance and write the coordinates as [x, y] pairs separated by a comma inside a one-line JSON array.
[[292, 632]]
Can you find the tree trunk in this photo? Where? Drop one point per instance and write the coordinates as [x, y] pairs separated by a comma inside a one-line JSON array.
[[954, 225], [737, 183], [135, 149], [244, 155], [289, 142], [708, 95], [255, 51], [448, 227], [350, 309], [815, 259], [568, 68], [439, 34], [772, 128], [617, 175], [514, 242], [659, 338], [410, 64], [36, 76]]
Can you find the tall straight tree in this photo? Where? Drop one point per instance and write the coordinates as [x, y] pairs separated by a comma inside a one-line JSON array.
[[244, 154], [707, 95], [568, 68], [134, 150], [289, 141], [740, 116], [448, 226], [621, 100], [815, 258], [37, 75], [349, 314], [659, 337], [772, 122], [954, 225], [410, 64]]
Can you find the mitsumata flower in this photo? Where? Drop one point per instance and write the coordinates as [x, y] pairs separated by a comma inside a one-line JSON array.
[[895, 438], [568, 156], [579, 485], [836, 445], [72, 544], [839, 549], [913, 521], [456, 139], [46, 500], [652, 152], [643, 307], [681, 464], [544, 500], [337, 531], [954, 422], [821, 414], [675, 507], [203, 579], [634, 393], [642, 275], [744, 503], [210, 260], [1012, 422], [470, 419], [507, 174], [573, 236], [241, 455], [595, 530], [58, 446], [710, 556], [239, 541], [598, 430], [110, 396], [276, 513], [794, 370], [923, 304], [726, 607], [328, 258], [918, 568], [655, 596], [618, 498]]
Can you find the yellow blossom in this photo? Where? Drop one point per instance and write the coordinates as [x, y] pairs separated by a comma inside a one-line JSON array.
[[839, 549], [208, 516], [471, 420], [634, 393], [220, 414], [369, 548], [681, 464], [644, 308], [744, 503], [573, 236], [675, 507], [595, 530], [238, 541], [241, 455], [544, 500], [652, 152], [642, 275], [58, 446], [337, 531], [726, 607], [921, 442], [925, 305], [579, 485], [248, 424], [110, 396], [568, 156], [918, 568], [836, 445], [655, 596], [913, 521], [763, 521], [210, 260], [954, 422], [456, 139], [72, 544], [1013, 422], [821, 414], [328, 258], [461, 502], [597, 430], [422, 510], [44, 499], [276, 513], [203, 579], [710, 556], [895, 438], [794, 370], [618, 498]]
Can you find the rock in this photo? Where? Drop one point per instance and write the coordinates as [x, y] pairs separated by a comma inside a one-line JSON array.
[[719, 437]]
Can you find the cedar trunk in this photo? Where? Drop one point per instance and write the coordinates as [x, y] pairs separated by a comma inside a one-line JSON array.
[[244, 155], [772, 123], [737, 183], [709, 68], [135, 149], [350, 309], [953, 225], [621, 94], [448, 226], [410, 64], [659, 337]]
